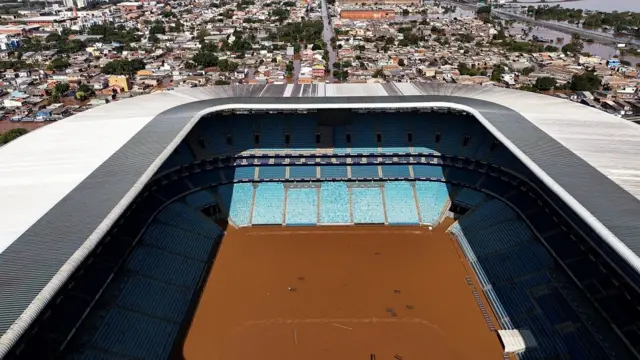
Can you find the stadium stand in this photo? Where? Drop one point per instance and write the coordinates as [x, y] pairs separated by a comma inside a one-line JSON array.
[[302, 206], [400, 203], [334, 203], [269, 204], [367, 206], [528, 282], [431, 197]]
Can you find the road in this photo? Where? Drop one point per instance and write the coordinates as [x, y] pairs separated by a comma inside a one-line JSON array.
[[327, 34]]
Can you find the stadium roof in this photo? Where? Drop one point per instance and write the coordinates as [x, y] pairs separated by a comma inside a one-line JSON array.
[[64, 185]]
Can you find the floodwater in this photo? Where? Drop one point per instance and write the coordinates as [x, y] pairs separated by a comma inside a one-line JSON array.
[[594, 48], [599, 5]]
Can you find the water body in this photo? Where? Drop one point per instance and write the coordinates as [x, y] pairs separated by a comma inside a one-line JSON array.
[[599, 5], [594, 48]]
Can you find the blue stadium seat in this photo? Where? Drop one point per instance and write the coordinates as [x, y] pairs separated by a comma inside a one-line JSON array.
[[431, 198], [238, 199], [155, 298], [135, 335], [333, 171], [468, 197], [302, 172], [163, 266], [179, 241], [181, 216], [427, 171], [396, 171], [400, 203], [303, 135], [302, 206], [200, 199], [334, 203], [367, 206], [269, 204], [364, 171], [271, 172], [243, 173]]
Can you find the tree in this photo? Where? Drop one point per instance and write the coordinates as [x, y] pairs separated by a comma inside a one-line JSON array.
[[316, 46], [59, 90], [58, 64], [401, 62], [588, 81], [12, 135], [280, 14], [221, 82], [545, 83], [379, 73], [156, 28], [484, 10], [205, 59], [123, 67], [528, 70], [289, 68]]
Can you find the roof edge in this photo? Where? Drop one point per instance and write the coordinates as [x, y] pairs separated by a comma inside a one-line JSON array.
[[29, 315]]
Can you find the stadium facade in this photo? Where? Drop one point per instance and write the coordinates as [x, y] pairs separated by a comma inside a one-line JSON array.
[[68, 184]]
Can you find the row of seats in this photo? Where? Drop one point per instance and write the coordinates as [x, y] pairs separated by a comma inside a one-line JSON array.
[[513, 272], [140, 313], [448, 134], [333, 203]]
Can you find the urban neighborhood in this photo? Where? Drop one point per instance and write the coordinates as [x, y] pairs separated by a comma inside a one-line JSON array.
[[58, 59]]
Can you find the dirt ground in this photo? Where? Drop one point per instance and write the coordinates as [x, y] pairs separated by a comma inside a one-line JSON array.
[[339, 293]]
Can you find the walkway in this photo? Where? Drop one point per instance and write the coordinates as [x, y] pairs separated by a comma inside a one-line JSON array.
[[327, 34]]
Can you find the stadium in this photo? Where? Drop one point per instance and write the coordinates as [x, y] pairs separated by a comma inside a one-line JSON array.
[[349, 221]]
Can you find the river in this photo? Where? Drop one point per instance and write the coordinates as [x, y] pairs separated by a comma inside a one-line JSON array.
[[599, 5], [604, 51]]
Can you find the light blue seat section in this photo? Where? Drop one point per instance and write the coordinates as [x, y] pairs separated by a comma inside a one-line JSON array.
[[135, 335], [181, 216], [302, 172], [334, 203], [238, 198], [200, 199], [396, 171], [302, 207], [364, 171], [400, 203], [271, 172], [468, 197], [431, 199], [268, 207], [243, 173], [155, 298], [367, 206], [163, 266], [428, 171], [333, 171]]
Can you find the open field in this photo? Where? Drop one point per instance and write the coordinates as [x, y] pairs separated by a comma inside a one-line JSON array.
[[339, 293]]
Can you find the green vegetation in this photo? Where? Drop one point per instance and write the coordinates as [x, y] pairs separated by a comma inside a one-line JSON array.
[[221, 82], [12, 135], [588, 81], [119, 34], [618, 21], [123, 67], [308, 31], [279, 14], [341, 75], [58, 91], [58, 64], [545, 83], [498, 71]]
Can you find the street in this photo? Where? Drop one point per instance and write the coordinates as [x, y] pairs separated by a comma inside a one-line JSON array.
[[327, 34]]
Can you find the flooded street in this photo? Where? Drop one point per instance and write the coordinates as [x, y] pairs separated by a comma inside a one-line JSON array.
[[327, 34]]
